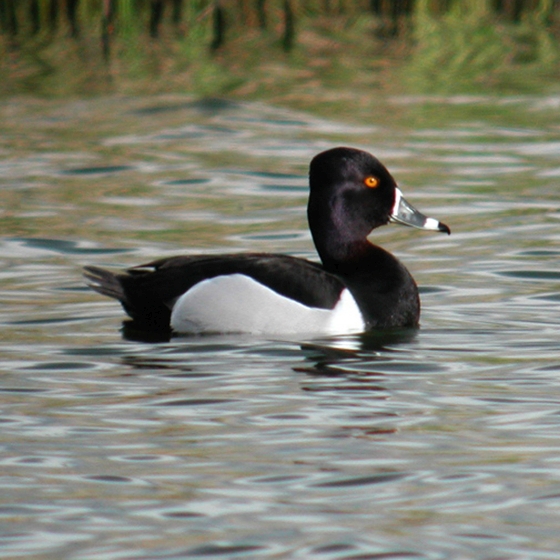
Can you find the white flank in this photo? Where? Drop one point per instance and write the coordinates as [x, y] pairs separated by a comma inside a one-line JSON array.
[[236, 303]]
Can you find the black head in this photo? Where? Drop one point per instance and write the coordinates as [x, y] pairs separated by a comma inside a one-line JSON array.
[[353, 187], [351, 193]]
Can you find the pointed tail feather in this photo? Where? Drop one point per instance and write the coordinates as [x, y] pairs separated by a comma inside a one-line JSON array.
[[105, 282]]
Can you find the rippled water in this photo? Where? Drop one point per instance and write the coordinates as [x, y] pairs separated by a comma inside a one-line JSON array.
[[437, 443]]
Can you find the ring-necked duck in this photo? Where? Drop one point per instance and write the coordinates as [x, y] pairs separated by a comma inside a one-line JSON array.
[[358, 286]]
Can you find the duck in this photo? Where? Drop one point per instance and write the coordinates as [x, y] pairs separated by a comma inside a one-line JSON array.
[[356, 287]]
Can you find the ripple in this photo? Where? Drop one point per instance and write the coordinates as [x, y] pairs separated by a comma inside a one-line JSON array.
[[531, 274], [437, 442], [181, 182], [109, 478], [226, 550], [194, 402], [64, 246], [98, 170], [360, 480], [63, 366]]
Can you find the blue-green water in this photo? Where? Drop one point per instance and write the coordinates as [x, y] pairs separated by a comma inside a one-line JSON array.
[[440, 443]]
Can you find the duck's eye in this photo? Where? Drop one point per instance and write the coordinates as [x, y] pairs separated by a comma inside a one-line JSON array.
[[371, 182]]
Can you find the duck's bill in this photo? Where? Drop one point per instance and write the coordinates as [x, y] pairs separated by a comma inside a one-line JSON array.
[[404, 213]]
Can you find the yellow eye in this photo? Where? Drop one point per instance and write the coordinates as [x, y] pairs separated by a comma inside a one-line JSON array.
[[371, 182]]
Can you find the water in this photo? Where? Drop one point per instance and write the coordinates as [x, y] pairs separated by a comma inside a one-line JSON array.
[[431, 444]]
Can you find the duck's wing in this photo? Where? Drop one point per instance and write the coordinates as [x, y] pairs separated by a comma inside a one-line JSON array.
[[149, 292]]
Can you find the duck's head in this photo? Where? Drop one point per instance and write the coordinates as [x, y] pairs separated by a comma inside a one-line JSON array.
[[351, 193]]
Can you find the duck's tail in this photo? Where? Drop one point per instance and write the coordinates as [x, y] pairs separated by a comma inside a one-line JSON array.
[[105, 282]]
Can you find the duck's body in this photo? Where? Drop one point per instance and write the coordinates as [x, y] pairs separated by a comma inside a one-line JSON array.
[[358, 286]]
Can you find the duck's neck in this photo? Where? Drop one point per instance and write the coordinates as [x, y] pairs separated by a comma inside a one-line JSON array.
[[339, 240], [346, 257], [382, 286]]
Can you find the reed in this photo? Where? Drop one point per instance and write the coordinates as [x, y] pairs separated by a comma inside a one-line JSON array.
[[207, 45], [469, 44]]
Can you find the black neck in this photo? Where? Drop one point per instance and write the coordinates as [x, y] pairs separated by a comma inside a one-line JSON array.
[[379, 282]]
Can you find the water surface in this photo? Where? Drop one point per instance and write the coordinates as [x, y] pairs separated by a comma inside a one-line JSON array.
[[430, 444]]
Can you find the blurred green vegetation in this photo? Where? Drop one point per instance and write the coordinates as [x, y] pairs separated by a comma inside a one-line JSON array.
[[295, 50], [470, 46]]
